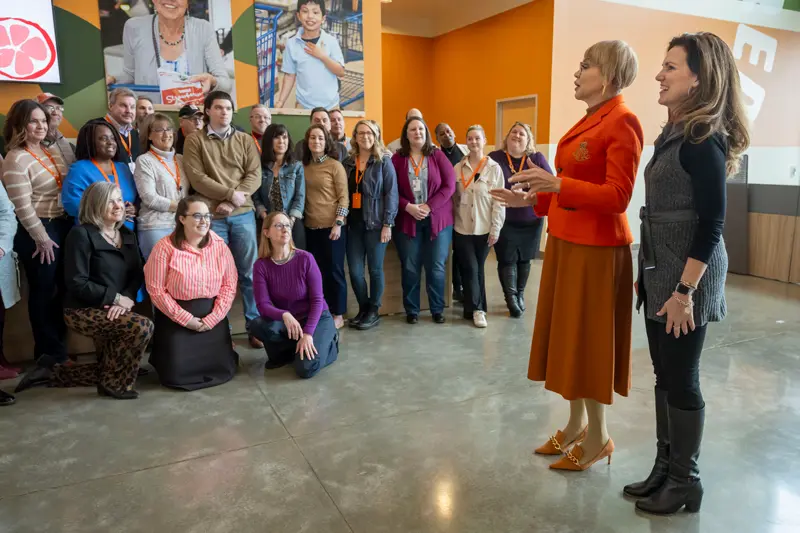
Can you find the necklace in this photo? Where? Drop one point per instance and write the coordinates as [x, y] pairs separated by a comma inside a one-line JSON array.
[[112, 239], [173, 43], [283, 261]]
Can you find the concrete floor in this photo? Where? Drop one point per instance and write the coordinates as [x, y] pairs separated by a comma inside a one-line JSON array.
[[415, 429]]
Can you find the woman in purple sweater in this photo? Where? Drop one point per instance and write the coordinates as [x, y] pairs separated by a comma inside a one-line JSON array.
[[294, 323], [522, 230], [425, 183]]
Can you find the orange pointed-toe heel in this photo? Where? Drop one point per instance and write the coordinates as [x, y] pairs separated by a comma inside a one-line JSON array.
[[572, 460], [556, 444]]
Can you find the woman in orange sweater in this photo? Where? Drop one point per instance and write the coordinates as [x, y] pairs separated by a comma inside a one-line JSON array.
[[582, 334]]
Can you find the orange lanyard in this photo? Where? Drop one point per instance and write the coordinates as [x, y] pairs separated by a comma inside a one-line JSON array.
[[258, 144], [55, 173], [122, 139], [417, 167], [359, 173], [103, 172], [466, 183], [177, 175], [511, 165]]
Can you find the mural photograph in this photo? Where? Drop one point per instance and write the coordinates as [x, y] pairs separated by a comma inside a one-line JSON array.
[[27, 42], [310, 54], [174, 51]]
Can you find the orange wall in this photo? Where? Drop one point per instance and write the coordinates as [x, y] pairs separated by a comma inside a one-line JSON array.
[[407, 77], [458, 77]]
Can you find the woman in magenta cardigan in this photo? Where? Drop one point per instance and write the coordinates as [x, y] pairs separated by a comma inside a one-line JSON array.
[[426, 182]]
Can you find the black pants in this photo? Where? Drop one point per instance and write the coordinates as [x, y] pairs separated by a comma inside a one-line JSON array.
[[676, 363], [458, 282], [46, 289], [471, 252], [330, 260]]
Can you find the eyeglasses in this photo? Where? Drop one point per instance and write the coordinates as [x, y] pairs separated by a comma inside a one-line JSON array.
[[281, 227], [198, 217], [163, 130], [365, 134], [53, 108]]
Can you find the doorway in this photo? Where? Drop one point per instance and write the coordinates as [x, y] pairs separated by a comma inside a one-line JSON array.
[[510, 110]]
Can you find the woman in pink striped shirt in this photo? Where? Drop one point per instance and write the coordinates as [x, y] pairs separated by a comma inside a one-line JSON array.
[[191, 278]]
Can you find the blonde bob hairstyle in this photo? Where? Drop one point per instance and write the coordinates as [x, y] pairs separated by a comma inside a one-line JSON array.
[[378, 149], [94, 204], [716, 105], [265, 248], [617, 62], [530, 148]]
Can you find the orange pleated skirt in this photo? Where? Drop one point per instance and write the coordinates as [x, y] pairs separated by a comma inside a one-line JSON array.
[[582, 334]]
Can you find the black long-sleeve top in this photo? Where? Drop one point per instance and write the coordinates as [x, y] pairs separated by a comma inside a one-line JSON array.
[[95, 271], [705, 163]]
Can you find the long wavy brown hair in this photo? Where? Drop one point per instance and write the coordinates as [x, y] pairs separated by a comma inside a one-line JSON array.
[[716, 105]]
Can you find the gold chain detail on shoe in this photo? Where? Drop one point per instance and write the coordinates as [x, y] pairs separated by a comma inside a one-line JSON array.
[[573, 458], [555, 443]]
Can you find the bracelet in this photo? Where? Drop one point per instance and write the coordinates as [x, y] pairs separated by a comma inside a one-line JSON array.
[[690, 303], [689, 284]]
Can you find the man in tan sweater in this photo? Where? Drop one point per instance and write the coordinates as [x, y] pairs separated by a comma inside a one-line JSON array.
[[223, 166]]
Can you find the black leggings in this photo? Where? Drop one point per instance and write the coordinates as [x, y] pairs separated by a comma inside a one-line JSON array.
[[676, 363]]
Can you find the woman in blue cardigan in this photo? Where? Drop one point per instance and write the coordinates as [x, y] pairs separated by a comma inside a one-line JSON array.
[[97, 160]]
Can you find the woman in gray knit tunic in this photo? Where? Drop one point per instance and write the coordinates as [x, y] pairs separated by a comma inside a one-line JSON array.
[[682, 259]]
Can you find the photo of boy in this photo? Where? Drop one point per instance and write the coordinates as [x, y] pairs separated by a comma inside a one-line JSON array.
[[312, 60]]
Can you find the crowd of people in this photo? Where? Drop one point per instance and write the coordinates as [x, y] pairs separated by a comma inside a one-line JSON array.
[[139, 211]]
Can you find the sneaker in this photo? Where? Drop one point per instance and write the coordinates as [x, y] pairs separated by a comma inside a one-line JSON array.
[[479, 319]]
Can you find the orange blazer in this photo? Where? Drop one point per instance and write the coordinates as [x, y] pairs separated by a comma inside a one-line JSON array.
[[597, 161]]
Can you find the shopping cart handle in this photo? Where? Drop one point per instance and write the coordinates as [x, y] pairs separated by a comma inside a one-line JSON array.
[[134, 87]]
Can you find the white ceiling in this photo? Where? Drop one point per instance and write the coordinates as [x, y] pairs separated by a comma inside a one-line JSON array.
[[430, 18]]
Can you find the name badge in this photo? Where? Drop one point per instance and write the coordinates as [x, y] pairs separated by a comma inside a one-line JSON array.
[[464, 199], [356, 203], [58, 200], [132, 166], [417, 185]]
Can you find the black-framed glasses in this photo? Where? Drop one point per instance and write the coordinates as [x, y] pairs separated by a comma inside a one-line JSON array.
[[198, 217], [281, 226]]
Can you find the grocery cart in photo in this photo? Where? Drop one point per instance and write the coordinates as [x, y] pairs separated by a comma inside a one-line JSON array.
[[351, 88], [345, 6], [267, 51], [349, 31]]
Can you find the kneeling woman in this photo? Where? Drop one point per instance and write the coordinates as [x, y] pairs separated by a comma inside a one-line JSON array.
[[103, 272], [191, 278], [295, 324]]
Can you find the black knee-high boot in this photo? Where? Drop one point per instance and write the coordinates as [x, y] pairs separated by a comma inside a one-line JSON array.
[[683, 486], [508, 280], [658, 475], [523, 272]]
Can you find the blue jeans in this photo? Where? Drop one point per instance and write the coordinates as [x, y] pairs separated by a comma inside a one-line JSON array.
[[366, 244], [281, 349], [420, 251], [239, 233], [149, 237]]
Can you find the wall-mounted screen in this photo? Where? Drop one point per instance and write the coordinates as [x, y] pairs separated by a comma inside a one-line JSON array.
[[28, 50]]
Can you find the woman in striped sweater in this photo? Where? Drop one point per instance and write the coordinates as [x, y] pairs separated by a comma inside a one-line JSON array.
[[32, 176], [191, 278]]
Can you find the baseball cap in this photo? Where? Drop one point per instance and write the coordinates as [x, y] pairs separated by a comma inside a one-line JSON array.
[[44, 97], [189, 110]]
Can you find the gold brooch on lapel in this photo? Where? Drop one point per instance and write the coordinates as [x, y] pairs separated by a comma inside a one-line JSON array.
[[582, 153]]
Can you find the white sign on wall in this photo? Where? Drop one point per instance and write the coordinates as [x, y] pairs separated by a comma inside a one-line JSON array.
[[28, 42]]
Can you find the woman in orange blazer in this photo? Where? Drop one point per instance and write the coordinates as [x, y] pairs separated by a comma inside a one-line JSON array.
[[582, 334]]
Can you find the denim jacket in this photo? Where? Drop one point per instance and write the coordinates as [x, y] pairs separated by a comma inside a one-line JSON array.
[[379, 197], [293, 190]]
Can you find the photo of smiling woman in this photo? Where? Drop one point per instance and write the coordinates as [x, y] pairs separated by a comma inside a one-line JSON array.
[[682, 258], [175, 48]]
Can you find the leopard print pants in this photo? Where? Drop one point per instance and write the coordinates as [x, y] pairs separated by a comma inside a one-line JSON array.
[[119, 345]]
